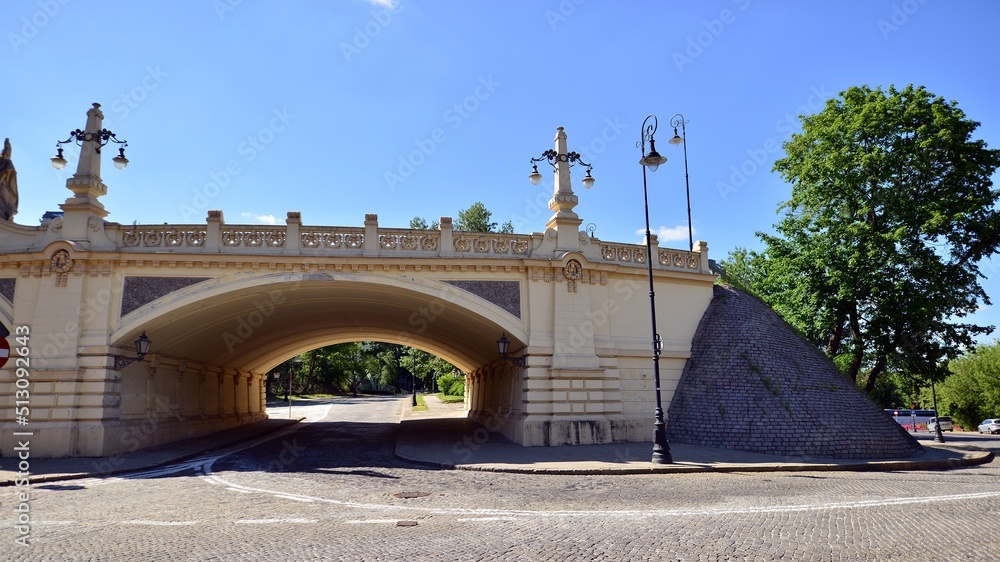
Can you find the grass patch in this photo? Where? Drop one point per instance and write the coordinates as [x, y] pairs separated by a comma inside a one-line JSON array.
[[450, 399], [421, 404]]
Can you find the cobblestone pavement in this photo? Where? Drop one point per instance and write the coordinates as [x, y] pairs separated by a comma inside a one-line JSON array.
[[332, 490]]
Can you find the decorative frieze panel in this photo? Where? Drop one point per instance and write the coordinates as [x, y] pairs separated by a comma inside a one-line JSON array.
[[138, 291], [505, 294], [623, 253], [497, 244], [410, 242], [334, 240], [159, 238], [680, 260], [255, 238]]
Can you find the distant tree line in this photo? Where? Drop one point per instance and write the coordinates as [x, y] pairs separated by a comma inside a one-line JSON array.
[[349, 368]]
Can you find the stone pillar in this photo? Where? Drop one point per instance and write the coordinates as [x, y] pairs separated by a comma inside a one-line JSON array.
[[213, 232], [701, 247], [565, 222], [371, 234], [447, 240], [293, 242], [85, 184]]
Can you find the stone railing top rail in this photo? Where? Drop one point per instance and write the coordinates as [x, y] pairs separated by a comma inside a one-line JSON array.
[[369, 240]]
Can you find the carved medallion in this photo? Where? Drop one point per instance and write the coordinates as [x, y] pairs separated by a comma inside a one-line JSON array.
[[61, 263], [572, 272]]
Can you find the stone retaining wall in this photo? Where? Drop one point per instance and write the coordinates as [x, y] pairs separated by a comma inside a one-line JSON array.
[[753, 384]]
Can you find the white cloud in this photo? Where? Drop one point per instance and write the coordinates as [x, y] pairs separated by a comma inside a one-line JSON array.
[[384, 3], [262, 219], [664, 234]]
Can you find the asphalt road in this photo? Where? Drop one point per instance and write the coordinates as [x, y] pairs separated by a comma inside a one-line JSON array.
[[332, 490]]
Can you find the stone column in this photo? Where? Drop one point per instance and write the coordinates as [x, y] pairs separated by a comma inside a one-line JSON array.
[[293, 242], [565, 222], [371, 235], [85, 184]]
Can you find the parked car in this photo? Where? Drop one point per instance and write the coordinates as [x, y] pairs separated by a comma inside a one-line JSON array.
[[946, 424], [990, 426]]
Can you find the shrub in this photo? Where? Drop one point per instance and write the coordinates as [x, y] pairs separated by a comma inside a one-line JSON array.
[[452, 385]]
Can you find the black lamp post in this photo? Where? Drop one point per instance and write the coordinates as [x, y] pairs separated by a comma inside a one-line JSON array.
[[652, 160], [413, 378], [295, 362], [939, 437], [679, 121]]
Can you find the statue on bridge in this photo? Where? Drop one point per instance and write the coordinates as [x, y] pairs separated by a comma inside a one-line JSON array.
[[8, 184]]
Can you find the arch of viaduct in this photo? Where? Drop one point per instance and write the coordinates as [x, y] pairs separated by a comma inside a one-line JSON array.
[[224, 304]]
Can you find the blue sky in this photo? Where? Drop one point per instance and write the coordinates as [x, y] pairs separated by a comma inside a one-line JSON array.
[[347, 107]]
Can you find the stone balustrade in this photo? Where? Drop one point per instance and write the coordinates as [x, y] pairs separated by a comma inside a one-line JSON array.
[[297, 239]]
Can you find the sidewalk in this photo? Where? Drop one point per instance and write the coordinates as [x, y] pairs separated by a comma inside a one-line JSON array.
[[442, 437], [52, 470]]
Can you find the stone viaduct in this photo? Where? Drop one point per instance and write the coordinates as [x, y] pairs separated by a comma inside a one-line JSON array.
[[223, 304]]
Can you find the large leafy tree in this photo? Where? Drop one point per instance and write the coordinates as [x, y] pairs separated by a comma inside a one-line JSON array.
[[876, 256]]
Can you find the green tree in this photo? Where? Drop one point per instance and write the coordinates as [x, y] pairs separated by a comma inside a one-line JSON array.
[[417, 223], [477, 219], [972, 392], [892, 208]]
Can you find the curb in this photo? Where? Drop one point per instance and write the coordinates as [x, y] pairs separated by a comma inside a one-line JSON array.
[[969, 458]]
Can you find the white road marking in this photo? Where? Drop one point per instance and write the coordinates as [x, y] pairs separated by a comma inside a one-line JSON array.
[[364, 521], [270, 521], [294, 498], [160, 523], [53, 523], [471, 519], [682, 512], [240, 491]]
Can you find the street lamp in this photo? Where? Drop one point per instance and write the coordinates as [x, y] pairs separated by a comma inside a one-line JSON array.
[[937, 416], [142, 344], [99, 138], [652, 160], [503, 346], [413, 377], [295, 362], [679, 121], [535, 177]]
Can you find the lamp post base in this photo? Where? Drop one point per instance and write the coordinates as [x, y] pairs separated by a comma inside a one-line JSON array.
[[940, 436], [661, 449]]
